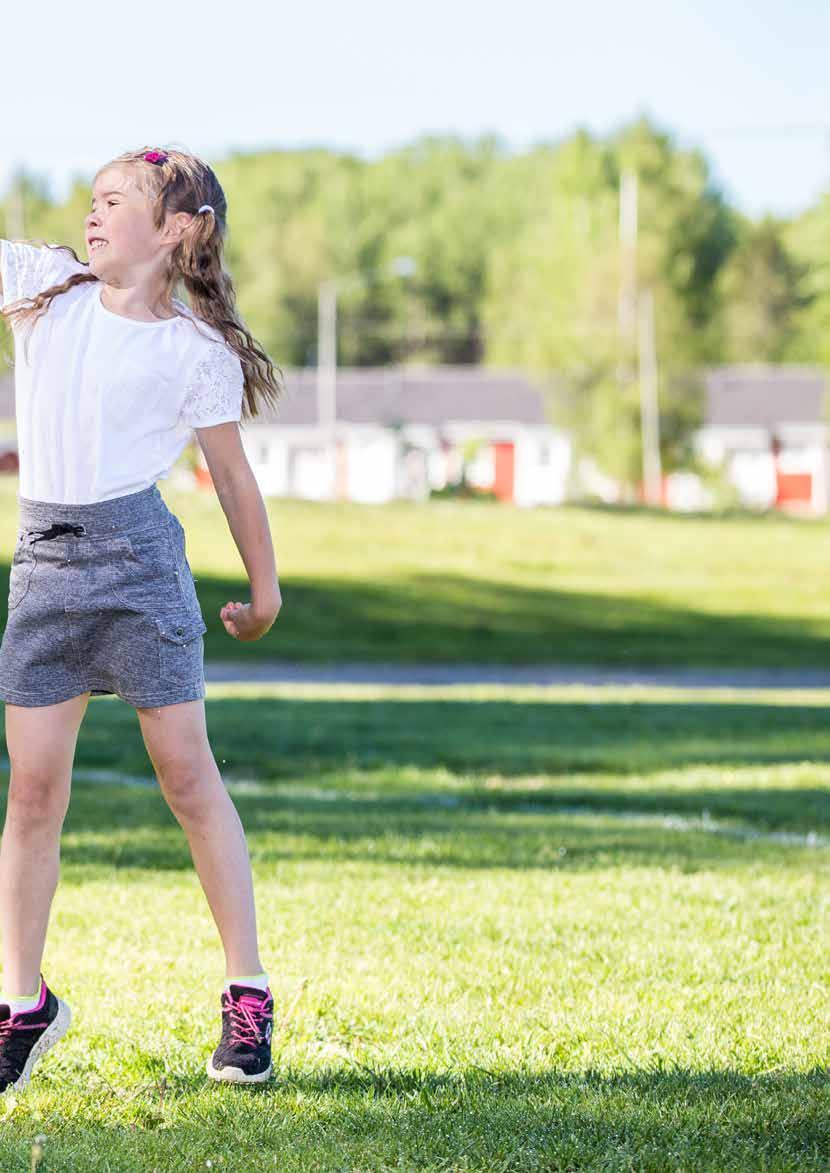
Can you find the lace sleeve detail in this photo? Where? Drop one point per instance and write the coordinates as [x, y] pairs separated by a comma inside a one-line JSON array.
[[213, 394], [28, 269]]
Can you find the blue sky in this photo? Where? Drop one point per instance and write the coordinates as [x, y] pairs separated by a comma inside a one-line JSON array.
[[747, 82]]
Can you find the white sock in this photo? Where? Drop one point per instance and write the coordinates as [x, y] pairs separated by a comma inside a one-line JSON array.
[[21, 1003], [259, 981]]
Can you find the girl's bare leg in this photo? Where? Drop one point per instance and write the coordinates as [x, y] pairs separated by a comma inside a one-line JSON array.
[[177, 742], [41, 743]]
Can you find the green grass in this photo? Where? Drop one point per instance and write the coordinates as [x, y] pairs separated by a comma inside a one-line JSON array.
[[466, 581], [525, 929]]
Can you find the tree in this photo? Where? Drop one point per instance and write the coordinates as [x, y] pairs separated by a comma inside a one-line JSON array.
[[553, 297], [762, 291], [808, 238]]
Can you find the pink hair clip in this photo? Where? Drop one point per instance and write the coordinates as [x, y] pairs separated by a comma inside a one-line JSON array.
[[155, 156]]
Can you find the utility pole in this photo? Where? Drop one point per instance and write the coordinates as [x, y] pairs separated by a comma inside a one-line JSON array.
[[628, 254], [327, 370], [649, 408], [636, 323], [405, 267], [627, 292], [327, 354]]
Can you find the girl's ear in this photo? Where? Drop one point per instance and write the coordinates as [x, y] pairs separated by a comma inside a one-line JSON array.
[[175, 226]]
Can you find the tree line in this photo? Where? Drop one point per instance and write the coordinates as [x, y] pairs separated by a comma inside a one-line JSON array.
[[511, 259]]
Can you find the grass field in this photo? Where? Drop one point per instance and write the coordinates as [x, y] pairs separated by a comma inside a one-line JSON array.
[[450, 581], [528, 929]]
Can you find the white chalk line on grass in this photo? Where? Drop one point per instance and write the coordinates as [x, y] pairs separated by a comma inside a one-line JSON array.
[[684, 824], [670, 822]]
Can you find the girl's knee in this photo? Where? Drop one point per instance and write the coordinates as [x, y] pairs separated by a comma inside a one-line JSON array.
[[188, 790], [36, 798]]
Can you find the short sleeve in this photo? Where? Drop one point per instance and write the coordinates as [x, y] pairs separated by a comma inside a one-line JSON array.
[[28, 269], [213, 394]]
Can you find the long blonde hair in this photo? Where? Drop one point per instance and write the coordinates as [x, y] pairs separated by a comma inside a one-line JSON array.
[[182, 182]]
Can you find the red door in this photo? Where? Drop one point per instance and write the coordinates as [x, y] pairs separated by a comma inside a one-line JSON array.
[[794, 488], [505, 462]]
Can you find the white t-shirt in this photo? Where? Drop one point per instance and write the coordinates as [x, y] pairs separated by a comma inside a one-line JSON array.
[[105, 404]]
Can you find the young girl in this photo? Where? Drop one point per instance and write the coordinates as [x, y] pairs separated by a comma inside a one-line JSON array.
[[112, 373]]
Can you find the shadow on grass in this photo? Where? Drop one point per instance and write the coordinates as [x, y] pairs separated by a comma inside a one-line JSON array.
[[430, 618], [442, 618], [133, 829], [467, 784], [470, 1119], [286, 737]]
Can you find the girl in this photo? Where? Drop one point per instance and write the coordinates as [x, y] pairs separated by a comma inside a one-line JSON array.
[[112, 375]]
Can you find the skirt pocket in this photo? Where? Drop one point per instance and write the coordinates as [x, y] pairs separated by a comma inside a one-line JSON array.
[[141, 570], [181, 647], [23, 564]]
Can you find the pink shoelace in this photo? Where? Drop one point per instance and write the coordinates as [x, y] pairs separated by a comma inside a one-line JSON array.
[[10, 1024], [248, 1018]]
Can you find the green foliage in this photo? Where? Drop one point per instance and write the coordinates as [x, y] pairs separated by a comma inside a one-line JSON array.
[[809, 239], [762, 289], [554, 294], [517, 263]]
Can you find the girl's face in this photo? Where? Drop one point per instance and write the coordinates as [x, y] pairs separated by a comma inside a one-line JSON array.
[[121, 238]]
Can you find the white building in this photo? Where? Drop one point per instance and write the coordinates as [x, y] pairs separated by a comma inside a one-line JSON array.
[[765, 427], [402, 432]]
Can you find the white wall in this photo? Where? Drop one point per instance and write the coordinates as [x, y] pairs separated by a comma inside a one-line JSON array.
[[750, 466], [268, 457], [371, 466], [542, 465], [378, 467], [753, 475], [311, 473]]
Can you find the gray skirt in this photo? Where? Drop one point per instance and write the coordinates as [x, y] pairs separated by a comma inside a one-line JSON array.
[[102, 600]]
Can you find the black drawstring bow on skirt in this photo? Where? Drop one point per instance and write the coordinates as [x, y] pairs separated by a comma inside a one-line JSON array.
[[57, 528]]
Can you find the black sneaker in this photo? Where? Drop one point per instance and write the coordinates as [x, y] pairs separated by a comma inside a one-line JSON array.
[[24, 1037], [244, 1052]]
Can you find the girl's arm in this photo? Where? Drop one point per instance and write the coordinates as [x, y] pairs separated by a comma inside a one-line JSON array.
[[27, 269], [241, 500]]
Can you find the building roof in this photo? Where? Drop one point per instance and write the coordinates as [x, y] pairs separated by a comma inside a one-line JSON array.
[[767, 397], [413, 395]]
